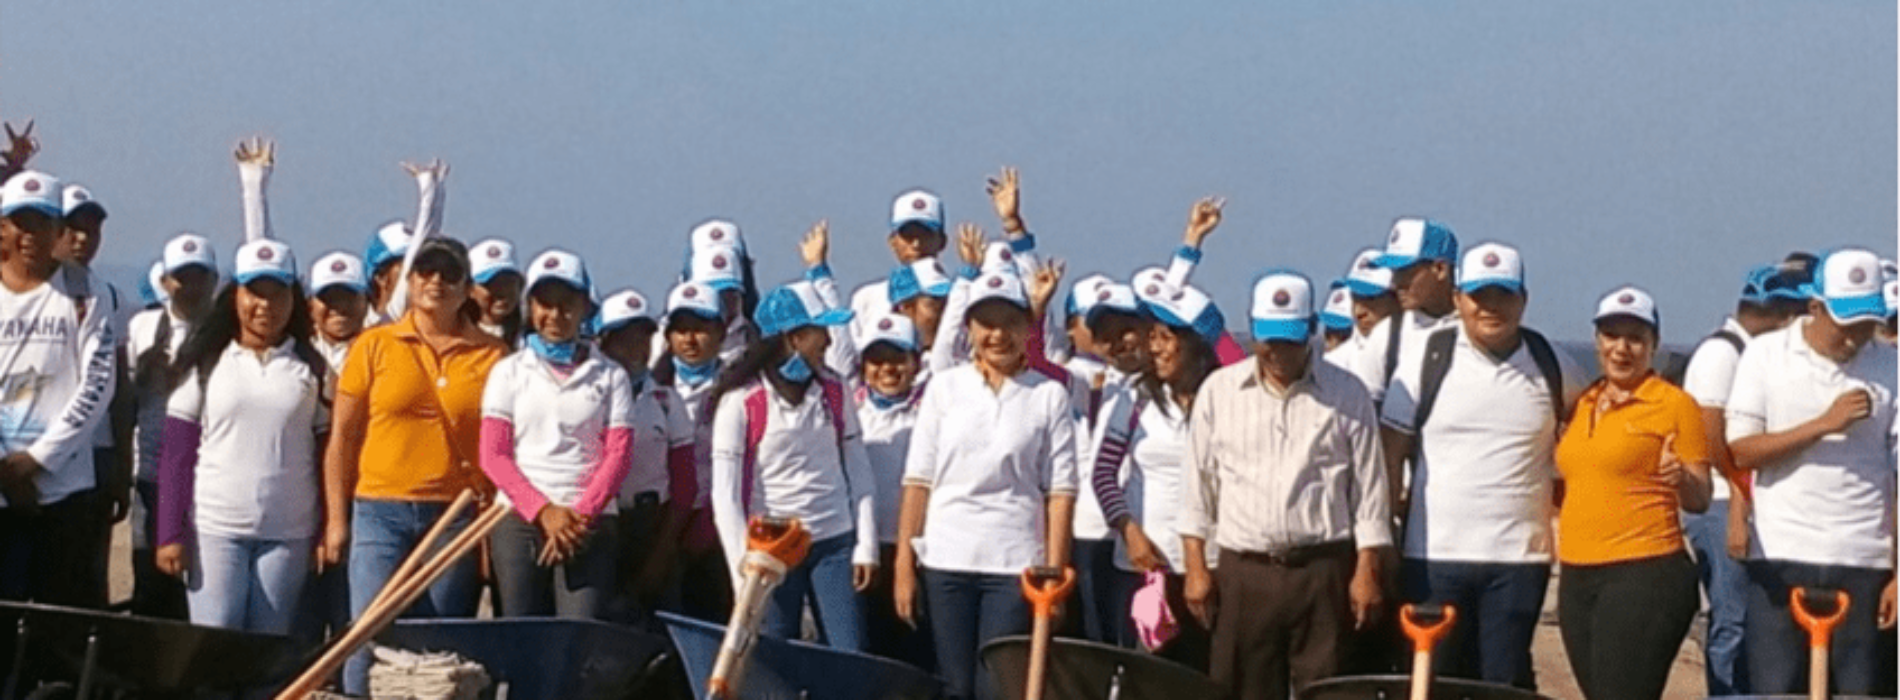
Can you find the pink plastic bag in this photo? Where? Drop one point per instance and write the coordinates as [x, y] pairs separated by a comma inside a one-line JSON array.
[[1154, 621]]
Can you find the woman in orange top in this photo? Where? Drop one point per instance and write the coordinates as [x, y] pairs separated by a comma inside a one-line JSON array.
[[1633, 457], [403, 440]]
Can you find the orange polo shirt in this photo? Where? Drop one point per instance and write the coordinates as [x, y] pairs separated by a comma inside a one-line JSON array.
[[425, 411], [1617, 507]]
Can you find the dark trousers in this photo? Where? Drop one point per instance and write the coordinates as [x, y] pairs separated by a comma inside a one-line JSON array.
[[969, 610], [1192, 641], [638, 529], [1777, 646], [1102, 594], [703, 584], [886, 634], [578, 587], [1278, 625], [1623, 623], [43, 551], [154, 594], [1498, 608]]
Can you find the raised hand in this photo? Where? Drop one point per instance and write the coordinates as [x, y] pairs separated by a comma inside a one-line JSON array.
[[1670, 468], [256, 152], [816, 246], [20, 147], [435, 170], [970, 244], [1203, 218], [1005, 192], [1042, 285]]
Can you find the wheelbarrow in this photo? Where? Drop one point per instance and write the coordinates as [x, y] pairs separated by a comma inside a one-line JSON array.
[[126, 656], [1079, 670], [546, 658], [1819, 611], [1424, 624], [796, 670]]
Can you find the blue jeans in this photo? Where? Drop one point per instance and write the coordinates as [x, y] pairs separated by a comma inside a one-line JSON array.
[[247, 584], [824, 578], [1104, 594], [967, 610], [381, 535], [1776, 644], [1498, 607], [578, 588], [1726, 584]]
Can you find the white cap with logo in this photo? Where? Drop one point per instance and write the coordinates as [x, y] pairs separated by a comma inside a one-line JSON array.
[[716, 234], [624, 307], [491, 257], [264, 258], [76, 197], [697, 297], [187, 249], [719, 269], [1004, 286], [1491, 265], [1848, 283], [31, 189], [917, 207], [556, 265], [895, 329], [1630, 302], [338, 269], [1282, 307], [1366, 278]]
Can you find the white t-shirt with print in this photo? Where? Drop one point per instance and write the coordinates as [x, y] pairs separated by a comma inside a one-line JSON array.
[[56, 381]]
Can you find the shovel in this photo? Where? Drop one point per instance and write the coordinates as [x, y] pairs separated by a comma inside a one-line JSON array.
[[1425, 624], [1045, 587], [1820, 630]]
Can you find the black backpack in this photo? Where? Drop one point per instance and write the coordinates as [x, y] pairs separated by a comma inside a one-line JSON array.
[[1437, 364]]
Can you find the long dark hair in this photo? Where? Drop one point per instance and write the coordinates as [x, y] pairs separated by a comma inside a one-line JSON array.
[[516, 321], [1198, 361], [205, 345]]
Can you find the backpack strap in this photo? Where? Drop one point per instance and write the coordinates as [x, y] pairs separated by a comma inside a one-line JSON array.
[[1438, 348], [1546, 359], [1394, 324], [755, 415], [832, 393], [78, 285], [1729, 337]]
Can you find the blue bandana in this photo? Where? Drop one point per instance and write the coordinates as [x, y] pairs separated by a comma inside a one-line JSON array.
[[695, 375], [885, 403], [795, 370], [557, 353]]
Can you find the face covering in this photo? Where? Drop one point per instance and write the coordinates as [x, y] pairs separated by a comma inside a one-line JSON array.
[[558, 353], [885, 403], [695, 375], [795, 370]]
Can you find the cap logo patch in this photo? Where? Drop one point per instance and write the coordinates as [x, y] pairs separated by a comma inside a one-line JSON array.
[[551, 263], [338, 266], [1005, 256], [1395, 236], [32, 185], [996, 283], [1490, 259], [1626, 299], [1178, 294], [719, 262], [918, 204], [1339, 297], [1857, 276], [1103, 296], [1365, 263], [190, 246], [717, 234], [689, 293], [1281, 298], [884, 324], [633, 303], [80, 195], [494, 252], [265, 254], [1152, 291]]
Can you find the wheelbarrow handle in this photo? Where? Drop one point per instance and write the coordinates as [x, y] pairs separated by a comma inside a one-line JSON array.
[[1046, 588]]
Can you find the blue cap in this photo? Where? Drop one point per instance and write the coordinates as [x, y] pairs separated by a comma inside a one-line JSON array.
[[1848, 281], [1415, 240], [924, 277], [1189, 308], [388, 243], [1767, 283], [1336, 314], [796, 306]]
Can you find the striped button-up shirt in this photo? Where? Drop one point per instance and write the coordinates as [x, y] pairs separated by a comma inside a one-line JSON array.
[[1279, 469]]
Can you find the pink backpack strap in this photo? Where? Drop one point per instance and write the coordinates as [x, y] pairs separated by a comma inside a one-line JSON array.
[[755, 414], [832, 393]]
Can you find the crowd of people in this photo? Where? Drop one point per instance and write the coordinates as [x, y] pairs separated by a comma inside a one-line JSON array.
[[282, 437]]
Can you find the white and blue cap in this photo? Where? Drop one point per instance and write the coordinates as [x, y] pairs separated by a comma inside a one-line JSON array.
[[696, 298], [920, 278], [264, 259], [998, 257], [1282, 307], [1187, 307], [1630, 302], [1366, 278], [338, 269], [998, 286], [718, 268], [894, 329], [491, 257], [1111, 297], [917, 207], [1848, 283], [1082, 295], [1336, 315], [716, 234], [1491, 265], [1766, 283], [388, 244], [76, 197], [152, 285], [556, 265], [1415, 240], [796, 306], [1148, 278], [1891, 293], [31, 189], [622, 308], [187, 249]]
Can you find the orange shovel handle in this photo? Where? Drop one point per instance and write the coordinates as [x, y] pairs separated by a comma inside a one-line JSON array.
[[785, 540], [1820, 628], [1045, 596], [1424, 636]]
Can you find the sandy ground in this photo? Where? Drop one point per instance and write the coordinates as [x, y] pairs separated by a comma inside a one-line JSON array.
[[1553, 669]]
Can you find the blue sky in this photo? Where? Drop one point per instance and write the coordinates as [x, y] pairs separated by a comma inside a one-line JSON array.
[[1670, 145]]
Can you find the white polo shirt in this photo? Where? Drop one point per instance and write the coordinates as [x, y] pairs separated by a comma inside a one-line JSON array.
[[149, 429], [1832, 503], [260, 415], [695, 397], [799, 471], [1481, 488], [56, 381], [1155, 475], [887, 434], [1089, 522], [991, 459], [1710, 373], [660, 424], [560, 422]]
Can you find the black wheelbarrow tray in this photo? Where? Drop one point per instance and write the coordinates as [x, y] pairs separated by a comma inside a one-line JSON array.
[[1080, 670], [138, 656], [544, 658], [1399, 687], [794, 670]]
